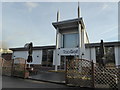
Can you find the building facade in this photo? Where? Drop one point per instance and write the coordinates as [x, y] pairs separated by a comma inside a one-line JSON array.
[[41, 55], [45, 55], [72, 42]]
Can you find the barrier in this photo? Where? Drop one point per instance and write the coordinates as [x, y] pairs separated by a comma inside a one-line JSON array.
[[85, 73]]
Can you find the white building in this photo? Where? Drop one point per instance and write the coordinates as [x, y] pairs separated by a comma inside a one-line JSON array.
[[45, 55], [71, 42]]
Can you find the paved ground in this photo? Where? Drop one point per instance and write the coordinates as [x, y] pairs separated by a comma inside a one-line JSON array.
[[58, 77], [12, 82]]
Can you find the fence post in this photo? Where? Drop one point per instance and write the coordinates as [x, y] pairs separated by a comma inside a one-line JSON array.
[[92, 74], [118, 77]]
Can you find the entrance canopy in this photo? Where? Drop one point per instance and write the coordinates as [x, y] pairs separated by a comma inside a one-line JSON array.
[[69, 24]]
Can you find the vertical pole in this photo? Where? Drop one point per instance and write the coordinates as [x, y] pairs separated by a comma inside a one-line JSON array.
[[80, 45], [57, 46], [78, 11], [92, 74], [79, 30], [118, 77], [57, 42]]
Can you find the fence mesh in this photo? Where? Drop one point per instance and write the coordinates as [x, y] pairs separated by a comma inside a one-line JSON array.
[[106, 77], [79, 73], [84, 73]]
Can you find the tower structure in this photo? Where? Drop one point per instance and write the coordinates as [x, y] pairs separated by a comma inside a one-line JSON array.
[[71, 37]]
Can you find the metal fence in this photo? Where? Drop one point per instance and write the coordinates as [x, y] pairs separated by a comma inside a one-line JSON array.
[[85, 73], [79, 73]]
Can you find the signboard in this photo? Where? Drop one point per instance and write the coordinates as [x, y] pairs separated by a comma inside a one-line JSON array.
[[68, 51]]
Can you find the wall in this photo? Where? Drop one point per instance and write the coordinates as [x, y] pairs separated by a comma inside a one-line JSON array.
[[90, 54], [37, 56], [56, 58]]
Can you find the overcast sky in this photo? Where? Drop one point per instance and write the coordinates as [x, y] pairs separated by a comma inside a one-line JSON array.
[[24, 22]]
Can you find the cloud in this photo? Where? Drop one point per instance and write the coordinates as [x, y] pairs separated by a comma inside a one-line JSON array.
[[31, 5]]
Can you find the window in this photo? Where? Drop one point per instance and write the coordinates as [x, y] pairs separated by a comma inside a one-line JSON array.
[[50, 57], [70, 40], [109, 55], [47, 58], [44, 57]]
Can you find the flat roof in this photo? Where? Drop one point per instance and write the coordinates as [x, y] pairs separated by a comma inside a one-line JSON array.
[[34, 48], [105, 44], [66, 24], [53, 46]]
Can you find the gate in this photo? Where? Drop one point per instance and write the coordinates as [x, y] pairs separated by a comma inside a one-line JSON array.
[[79, 73], [19, 68], [84, 73]]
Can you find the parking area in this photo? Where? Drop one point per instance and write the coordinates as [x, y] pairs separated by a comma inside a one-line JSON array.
[[15, 82], [56, 77]]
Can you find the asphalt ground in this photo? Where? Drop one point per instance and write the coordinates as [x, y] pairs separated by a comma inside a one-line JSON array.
[[15, 82], [55, 77]]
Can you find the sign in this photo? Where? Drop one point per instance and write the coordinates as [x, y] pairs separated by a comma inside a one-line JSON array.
[[68, 51]]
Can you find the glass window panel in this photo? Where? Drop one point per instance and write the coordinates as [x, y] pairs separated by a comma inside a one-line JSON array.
[[47, 57], [109, 55]]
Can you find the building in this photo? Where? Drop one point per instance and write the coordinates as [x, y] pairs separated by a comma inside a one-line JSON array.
[[45, 55], [72, 42]]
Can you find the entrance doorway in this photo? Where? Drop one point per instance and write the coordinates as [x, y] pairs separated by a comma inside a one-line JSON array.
[[63, 61]]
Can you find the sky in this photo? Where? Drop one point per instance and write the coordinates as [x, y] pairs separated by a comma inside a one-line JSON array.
[[24, 22]]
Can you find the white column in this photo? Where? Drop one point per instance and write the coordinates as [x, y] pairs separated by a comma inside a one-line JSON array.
[[79, 30], [117, 56], [58, 44], [81, 42], [93, 55]]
